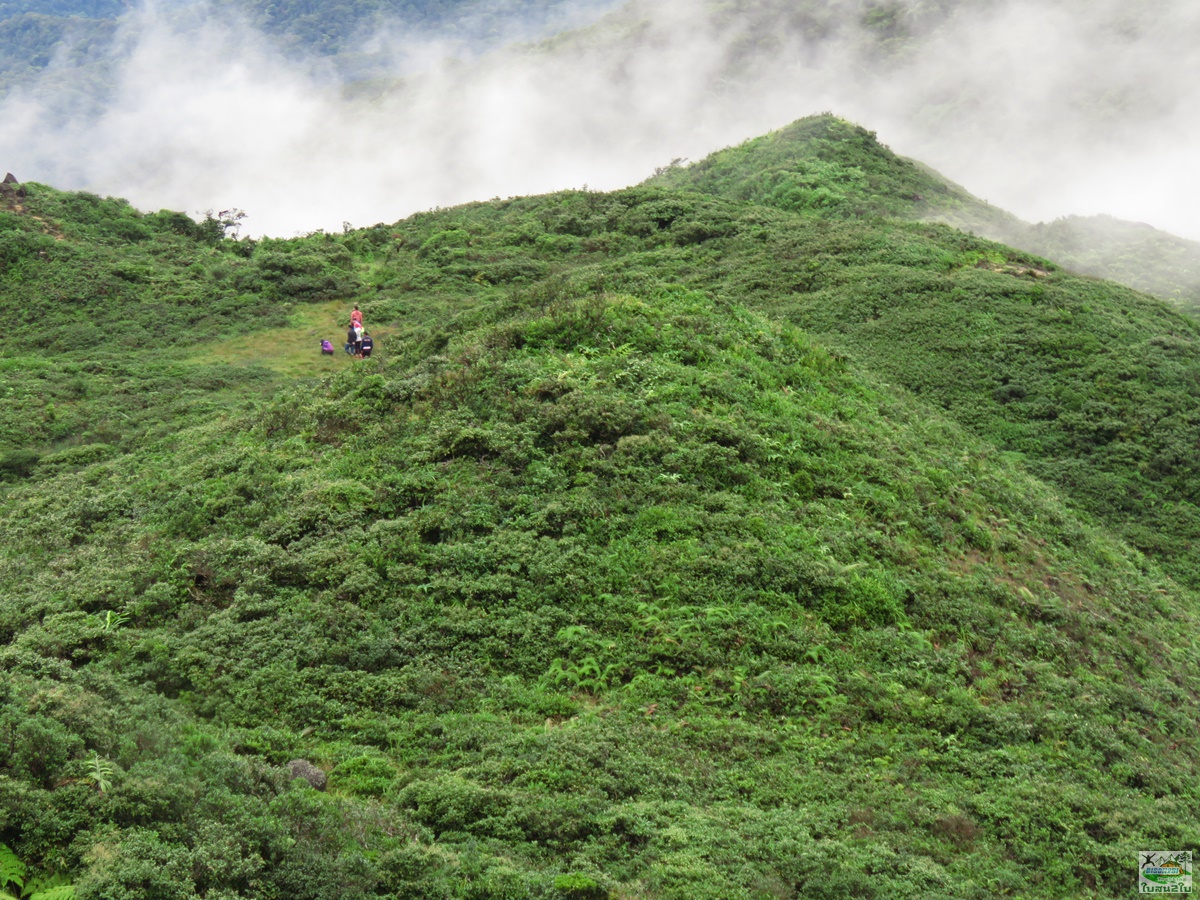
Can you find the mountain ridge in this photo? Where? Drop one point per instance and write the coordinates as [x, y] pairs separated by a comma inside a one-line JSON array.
[[1151, 260]]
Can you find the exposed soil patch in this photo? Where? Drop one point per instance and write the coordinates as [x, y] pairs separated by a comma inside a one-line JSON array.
[[1009, 269], [12, 195]]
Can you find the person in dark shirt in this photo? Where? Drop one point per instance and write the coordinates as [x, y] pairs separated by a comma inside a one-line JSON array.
[[367, 346], [351, 341]]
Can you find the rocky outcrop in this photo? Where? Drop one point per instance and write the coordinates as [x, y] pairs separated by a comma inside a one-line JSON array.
[[302, 768]]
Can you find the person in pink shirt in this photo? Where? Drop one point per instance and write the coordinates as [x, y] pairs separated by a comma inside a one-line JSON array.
[[356, 317]]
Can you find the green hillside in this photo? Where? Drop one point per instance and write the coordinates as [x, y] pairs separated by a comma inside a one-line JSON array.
[[1095, 385], [828, 165], [30, 42], [822, 165], [104, 307], [1134, 254], [1130, 253], [338, 28], [674, 545]]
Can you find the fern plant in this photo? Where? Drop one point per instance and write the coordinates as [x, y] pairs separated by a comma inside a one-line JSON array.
[[100, 772], [49, 887], [12, 873], [113, 620], [13, 884]]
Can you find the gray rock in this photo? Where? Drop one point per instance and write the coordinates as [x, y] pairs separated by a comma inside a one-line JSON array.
[[10, 178], [302, 768]]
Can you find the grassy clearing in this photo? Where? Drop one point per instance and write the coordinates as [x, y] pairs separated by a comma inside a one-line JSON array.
[[293, 350]]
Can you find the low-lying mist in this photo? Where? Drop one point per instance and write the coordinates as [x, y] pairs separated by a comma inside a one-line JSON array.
[[1045, 109]]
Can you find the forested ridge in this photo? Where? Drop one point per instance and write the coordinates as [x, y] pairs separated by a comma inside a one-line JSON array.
[[79, 34], [732, 535]]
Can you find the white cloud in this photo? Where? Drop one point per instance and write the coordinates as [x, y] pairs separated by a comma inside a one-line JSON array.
[[1044, 109]]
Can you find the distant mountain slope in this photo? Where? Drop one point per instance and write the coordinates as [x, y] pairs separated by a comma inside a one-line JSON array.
[[829, 165], [31, 41], [78, 34], [1135, 254], [1131, 253], [343, 26], [87, 9]]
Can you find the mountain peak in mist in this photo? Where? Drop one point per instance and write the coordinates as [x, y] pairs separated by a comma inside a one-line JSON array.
[[819, 163], [830, 166]]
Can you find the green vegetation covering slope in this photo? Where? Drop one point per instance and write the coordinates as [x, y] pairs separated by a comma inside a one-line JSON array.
[[820, 164], [826, 164], [1134, 254], [603, 579], [1095, 385], [339, 28], [104, 307], [1130, 253], [30, 42], [646, 592]]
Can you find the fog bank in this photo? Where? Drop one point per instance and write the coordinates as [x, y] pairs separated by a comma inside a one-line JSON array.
[[1045, 109]]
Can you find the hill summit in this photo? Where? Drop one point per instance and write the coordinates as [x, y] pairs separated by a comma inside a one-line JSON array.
[[826, 164], [823, 164]]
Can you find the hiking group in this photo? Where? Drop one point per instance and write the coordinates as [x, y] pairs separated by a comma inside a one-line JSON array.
[[358, 342]]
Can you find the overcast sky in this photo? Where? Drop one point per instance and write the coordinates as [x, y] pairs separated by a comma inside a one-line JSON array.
[[1045, 109]]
